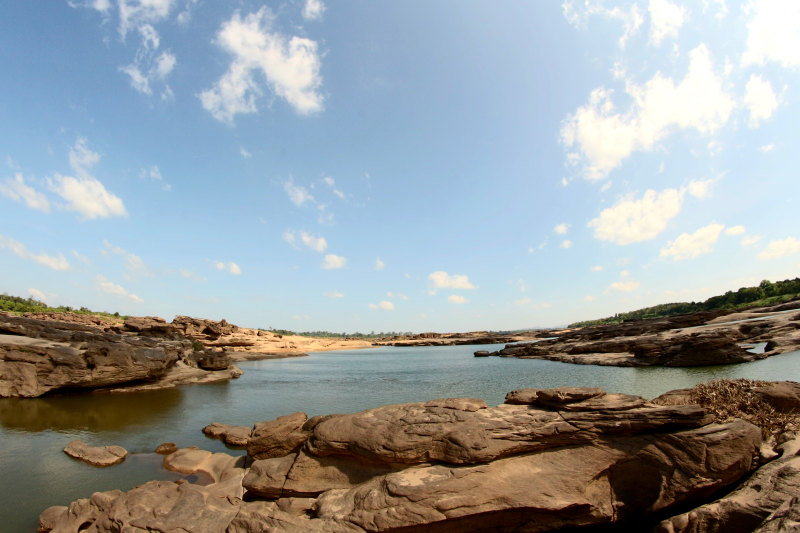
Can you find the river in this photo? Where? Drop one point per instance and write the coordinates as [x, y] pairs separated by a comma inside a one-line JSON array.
[[35, 473]]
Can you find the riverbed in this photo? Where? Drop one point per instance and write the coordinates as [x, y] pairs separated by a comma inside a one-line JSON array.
[[35, 472]]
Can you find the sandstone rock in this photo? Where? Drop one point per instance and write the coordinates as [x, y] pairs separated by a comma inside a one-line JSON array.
[[279, 437], [214, 361], [96, 455], [198, 328], [748, 507], [231, 435], [150, 326], [482, 353], [38, 356], [784, 396], [446, 465], [166, 448]]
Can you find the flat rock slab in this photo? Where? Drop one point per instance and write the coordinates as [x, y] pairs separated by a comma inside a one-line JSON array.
[[96, 455], [231, 435]]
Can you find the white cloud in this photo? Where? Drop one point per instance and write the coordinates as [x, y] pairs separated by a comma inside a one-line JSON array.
[[735, 230], [456, 299], [108, 287], [231, 267], [561, 229], [700, 188], [85, 194], [245, 153], [588, 298], [188, 274], [134, 265], [318, 244], [630, 220], [379, 265], [385, 305], [16, 189], [443, 280], [100, 5], [597, 268], [760, 99], [137, 13], [313, 10], [37, 294], [58, 262], [290, 67], [623, 286], [334, 294], [600, 137], [750, 240], [689, 246], [154, 174], [666, 20], [566, 244], [766, 148], [777, 249], [578, 16], [297, 193], [398, 295], [773, 34], [333, 262], [83, 259]]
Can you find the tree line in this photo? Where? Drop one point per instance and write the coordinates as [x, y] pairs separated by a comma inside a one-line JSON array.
[[765, 293]]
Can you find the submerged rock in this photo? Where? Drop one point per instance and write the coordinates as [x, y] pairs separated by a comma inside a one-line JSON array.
[[96, 455]]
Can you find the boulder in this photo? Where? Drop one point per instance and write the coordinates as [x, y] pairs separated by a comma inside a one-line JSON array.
[[767, 501], [279, 437], [166, 448], [38, 356], [231, 435], [214, 361], [96, 455]]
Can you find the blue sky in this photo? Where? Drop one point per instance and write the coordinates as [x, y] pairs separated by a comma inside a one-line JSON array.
[[422, 166]]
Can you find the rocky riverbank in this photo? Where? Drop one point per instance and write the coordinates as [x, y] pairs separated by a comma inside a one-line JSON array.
[[546, 460], [690, 340], [43, 353], [458, 339]]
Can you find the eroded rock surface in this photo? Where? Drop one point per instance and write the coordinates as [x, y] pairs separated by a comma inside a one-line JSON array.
[[556, 458], [96, 455], [41, 356]]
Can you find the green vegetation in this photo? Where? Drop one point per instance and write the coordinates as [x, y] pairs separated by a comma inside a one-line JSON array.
[[330, 334], [766, 293], [18, 305]]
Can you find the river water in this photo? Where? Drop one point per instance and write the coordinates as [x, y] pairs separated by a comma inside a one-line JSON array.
[[35, 473]]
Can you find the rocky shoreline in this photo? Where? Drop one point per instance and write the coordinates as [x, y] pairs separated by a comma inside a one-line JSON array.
[[545, 460], [46, 353], [697, 339]]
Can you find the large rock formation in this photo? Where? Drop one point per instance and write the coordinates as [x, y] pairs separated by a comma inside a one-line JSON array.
[[675, 341], [42, 356], [552, 459], [96, 455]]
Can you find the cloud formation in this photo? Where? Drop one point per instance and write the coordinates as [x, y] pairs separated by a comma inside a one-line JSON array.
[[773, 33], [457, 299], [108, 287], [16, 189], [599, 137], [385, 305], [20, 250], [442, 280], [231, 267], [84, 193], [780, 248], [289, 66], [689, 246], [634, 220], [760, 100], [666, 20], [333, 262]]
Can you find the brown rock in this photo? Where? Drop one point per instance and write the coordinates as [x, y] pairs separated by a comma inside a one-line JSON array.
[[214, 361], [231, 435], [166, 448], [96, 455], [279, 437], [783, 396]]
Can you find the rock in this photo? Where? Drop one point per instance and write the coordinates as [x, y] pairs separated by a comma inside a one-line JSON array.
[[231, 435], [149, 325], [279, 437], [96, 455], [783, 396], [38, 356], [586, 459], [482, 353], [201, 329], [766, 498], [166, 448], [214, 361]]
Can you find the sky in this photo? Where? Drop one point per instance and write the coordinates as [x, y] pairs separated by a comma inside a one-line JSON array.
[[396, 166]]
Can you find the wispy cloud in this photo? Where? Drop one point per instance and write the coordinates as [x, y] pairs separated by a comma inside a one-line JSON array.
[[457, 299], [108, 287], [385, 305], [313, 10], [289, 65], [442, 280], [230, 267], [780, 248], [58, 262], [84, 193], [16, 189], [134, 266]]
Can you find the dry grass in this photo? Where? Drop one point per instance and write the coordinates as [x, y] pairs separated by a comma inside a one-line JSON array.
[[726, 399]]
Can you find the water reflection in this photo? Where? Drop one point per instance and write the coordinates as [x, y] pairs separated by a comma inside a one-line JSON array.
[[87, 412]]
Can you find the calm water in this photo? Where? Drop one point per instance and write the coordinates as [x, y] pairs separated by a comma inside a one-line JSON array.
[[35, 473]]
